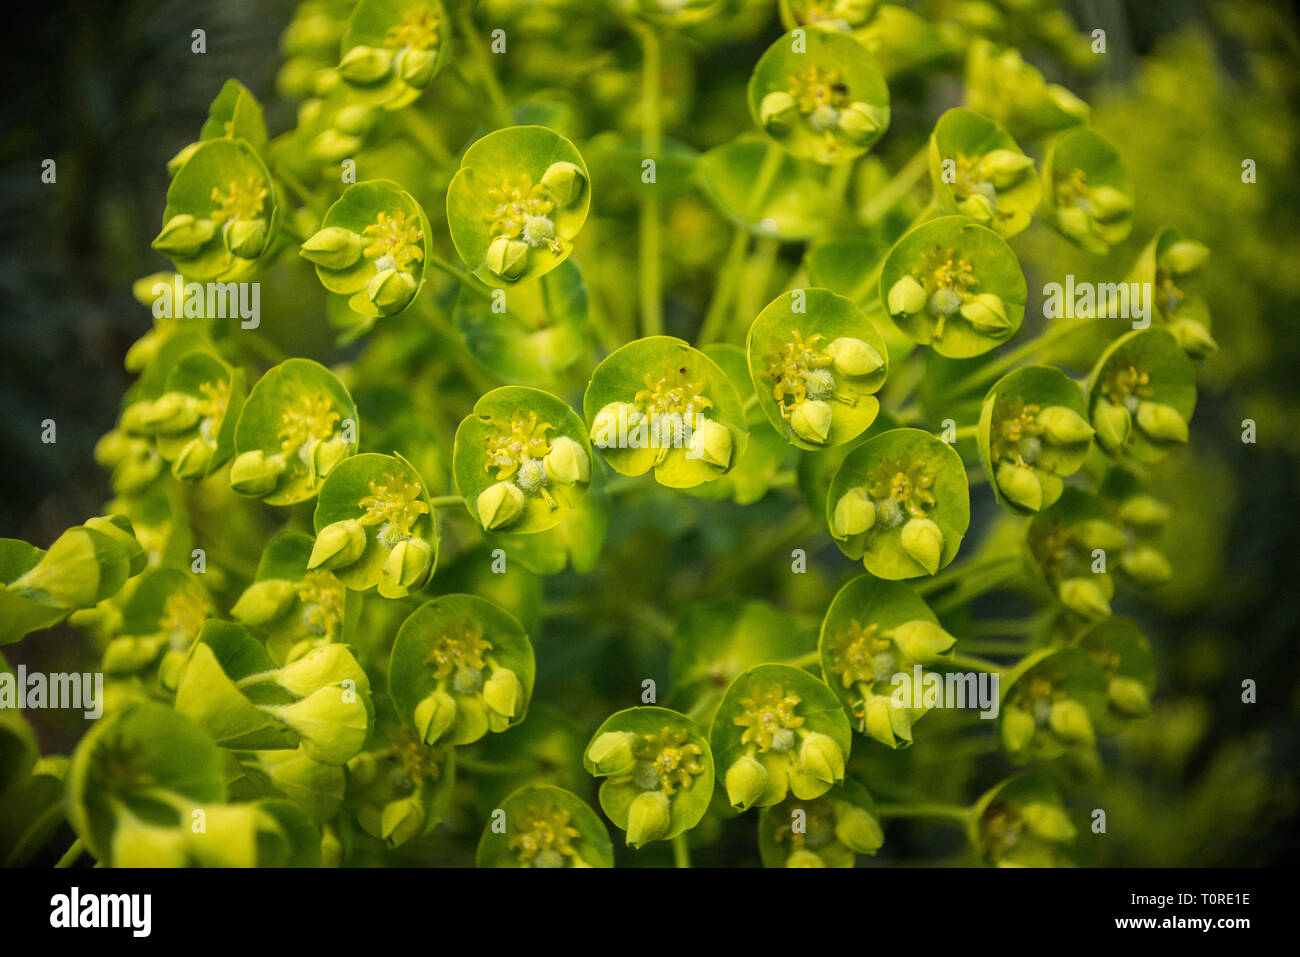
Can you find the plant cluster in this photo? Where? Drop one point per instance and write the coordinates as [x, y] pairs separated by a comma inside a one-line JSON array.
[[316, 592]]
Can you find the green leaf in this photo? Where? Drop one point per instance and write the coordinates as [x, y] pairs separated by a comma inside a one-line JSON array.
[[1144, 366], [1088, 192], [764, 190], [410, 39], [545, 827], [962, 159]]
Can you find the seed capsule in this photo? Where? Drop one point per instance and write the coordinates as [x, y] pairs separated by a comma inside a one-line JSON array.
[[499, 505], [821, 757], [778, 112], [907, 296], [434, 715], [648, 819], [987, 313], [1074, 222], [246, 238], [1109, 203], [256, 473], [1128, 696], [1147, 566], [183, 236], [1020, 485], [416, 67], [333, 247], [1085, 597], [501, 692], [854, 357], [1070, 722], [1063, 425], [327, 665], [746, 781], [711, 443], [564, 182], [567, 462], [264, 601], [804, 858], [923, 540], [1113, 424], [391, 290], [811, 421], [338, 545], [978, 207], [1018, 729], [1047, 821], [1194, 338], [191, 464], [611, 752], [921, 640], [858, 830], [1185, 256], [365, 65], [860, 123], [1161, 422], [855, 512], [408, 564], [331, 724], [508, 258], [1006, 166]]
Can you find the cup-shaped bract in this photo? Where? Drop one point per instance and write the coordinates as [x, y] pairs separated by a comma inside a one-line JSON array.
[[877, 641], [519, 198], [1173, 265], [954, 286], [1075, 545], [842, 16], [460, 667], [656, 403], [373, 247], [222, 215], [919, 502], [1088, 193], [1141, 395], [298, 423], [1122, 651], [977, 170], [818, 96], [779, 731], [235, 114], [399, 789], [164, 613], [1033, 431], [827, 831], [812, 348], [387, 497], [1022, 823], [1001, 85], [1051, 702], [392, 49], [658, 770], [545, 827], [522, 460], [291, 607]]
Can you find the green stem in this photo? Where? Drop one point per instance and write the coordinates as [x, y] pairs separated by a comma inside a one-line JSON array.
[[803, 661], [652, 322], [993, 370], [945, 812], [966, 432], [952, 576], [441, 501], [426, 136], [725, 288], [867, 285], [72, 853], [681, 851], [897, 188], [767, 171], [972, 663], [299, 189], [474, 40]]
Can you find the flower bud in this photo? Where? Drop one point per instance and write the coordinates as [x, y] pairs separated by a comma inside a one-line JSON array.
[[434, 715], [408, 564], [141, 352], [978, 207], [1070, 722], [329, 664], [854, 357], [246, 238], [987, 314], [169, 414], [648, 819], [1068, 103], [192, 462], [130, 653], [804, 858], [1161, 422], [1063, 425], [1147, 566], [855, 513], [501, 692], [921, 640], [355, 120], [183, 236], [746, 780], [364, 64], [1144, 511], [264, 601], [120, 529], [1018, 729], [331, 722], [811, 421], [1074, 222], [331, 146], [1193, 338], [1099, 533], [416, 67], [876, 720], [858, 830], [506, 257], [333, 247], [777, 112], [1005, 167], [861, 122], [1048, 821], [611, 752], [923, 540], [711, 443], [329, 454], [499, 505], [1113, 424], [564, 182], [1184, 256], [567, 462], [1020, 485], [391, 290], [171, 668], [606, 426], [1128, 696], [256, 473], [338, 544], [821, 757], [1085, 597], [1109, 203], [401, 820], [70, 574], [907, 296]]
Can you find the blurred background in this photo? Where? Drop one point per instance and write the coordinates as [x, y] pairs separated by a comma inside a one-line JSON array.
[[1187, 91]]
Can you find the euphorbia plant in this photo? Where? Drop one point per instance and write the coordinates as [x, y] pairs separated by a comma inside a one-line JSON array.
[[579, 556]]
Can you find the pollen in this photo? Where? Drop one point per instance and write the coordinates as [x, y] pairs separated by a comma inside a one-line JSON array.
[[1127, 383], [462, 646], [798, 370], [905, 482], [516, 443], [674, 394], [395, 501], [1014, 429], [239, 200], [216, 397], [183, 614], [855, 652], [311, 418], [546, 837], [418, 30], [322, 603], [516, 208], [395, 235], [814, 87], [674, 760], [766, 713], [1070, 187], [419, 761]]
